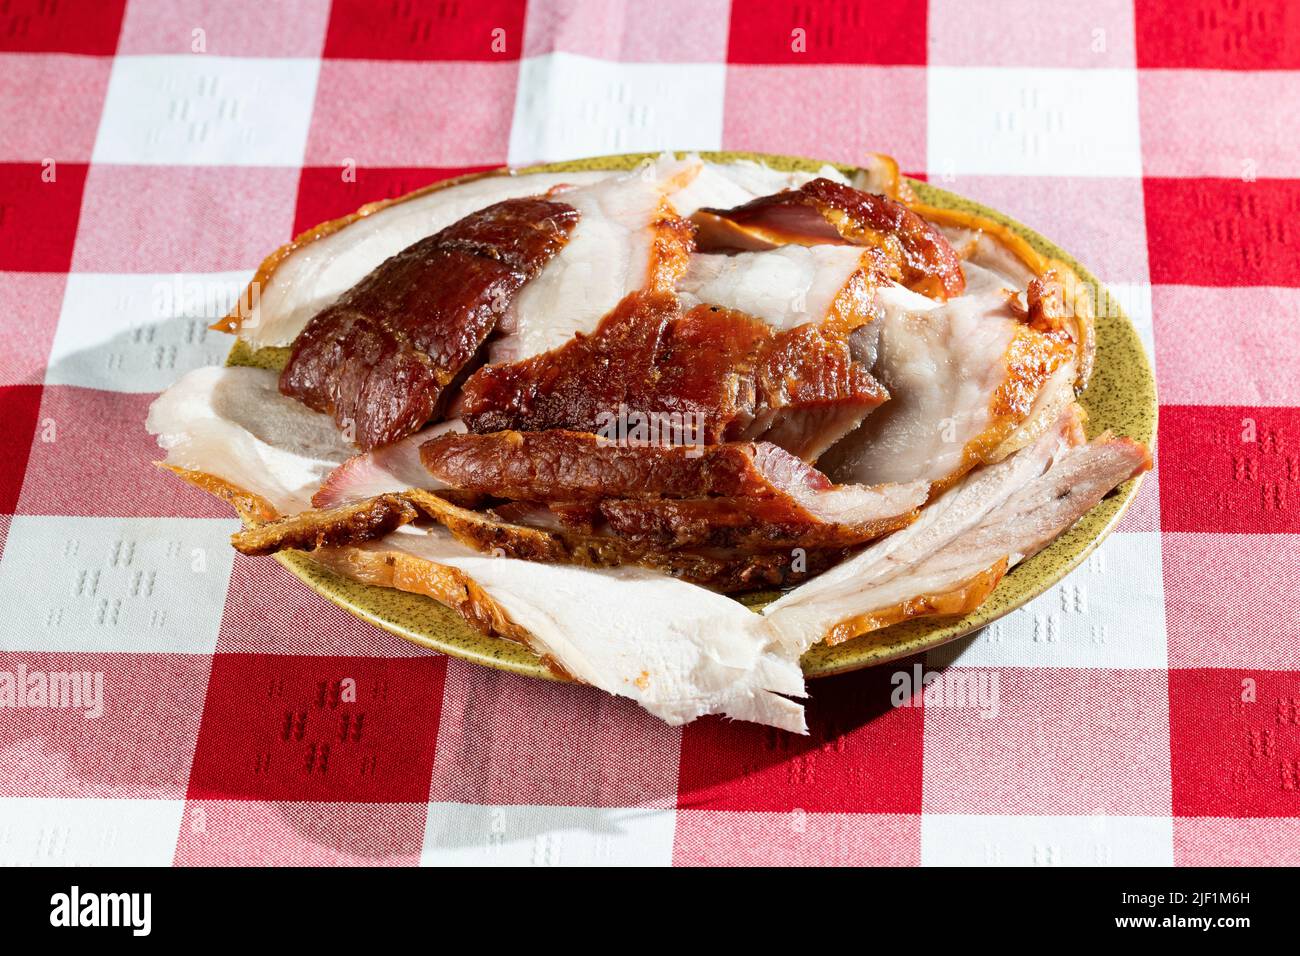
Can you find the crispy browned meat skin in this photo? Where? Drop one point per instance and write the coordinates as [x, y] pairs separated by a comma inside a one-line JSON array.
[[347, 524], [811, 391], [381, 358], [570, 466], [911, 249], [746, 496], [961, 598], [746, 524], [726, 571], [517, 532], [729, 371], [1045, 299]]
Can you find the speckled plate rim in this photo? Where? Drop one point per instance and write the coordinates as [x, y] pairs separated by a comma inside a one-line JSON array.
[[1121, 397]]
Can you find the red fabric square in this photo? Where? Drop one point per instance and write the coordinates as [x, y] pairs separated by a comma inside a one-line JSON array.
[[91, 455], [854, 731], [140, 746], [827, 31], [69, 26], [288, 833], [1223, 231], [324, 193], [19, 405], [1229, 468], [38, 219], [1218, 34], [1232, 756], [425, 30], [283, 728], [548, 744]]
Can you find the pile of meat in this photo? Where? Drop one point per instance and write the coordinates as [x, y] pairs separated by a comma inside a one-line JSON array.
[[582, 409]]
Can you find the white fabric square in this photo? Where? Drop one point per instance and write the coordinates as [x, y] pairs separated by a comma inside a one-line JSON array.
[[115, 584], [1033, 122], [207, 110], [1108, 613], [65, 831], [140, 333], [463, 834], [1005, 840], [569, 105]]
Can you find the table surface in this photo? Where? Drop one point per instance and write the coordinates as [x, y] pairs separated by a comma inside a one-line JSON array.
[[1148, 708]]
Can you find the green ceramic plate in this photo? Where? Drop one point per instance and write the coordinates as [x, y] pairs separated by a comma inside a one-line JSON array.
[[1121, 397]]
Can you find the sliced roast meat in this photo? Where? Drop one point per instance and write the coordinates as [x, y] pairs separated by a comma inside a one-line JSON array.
[[538, 540], [951, 558], [330, 527], [748, 496], [713, 373], [570, 466], [786, 287], [393, 468], [731, 184], [810, 390], [759, 524], [301, 278], [265, 453], [678, 650], [381, 358], [527, 534], [908, 247], [628, 239], [970, 380], [963, 377]]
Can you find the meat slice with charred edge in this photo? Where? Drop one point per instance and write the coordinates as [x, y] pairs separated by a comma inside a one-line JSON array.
[[381, 359], [911, 250], [373, 518], [949, 560], [721, 373], [722, 570], [750, 496], [560, 465], [347, 524]]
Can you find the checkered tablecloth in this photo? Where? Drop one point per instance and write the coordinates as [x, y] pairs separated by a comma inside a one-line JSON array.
[[152, 152]]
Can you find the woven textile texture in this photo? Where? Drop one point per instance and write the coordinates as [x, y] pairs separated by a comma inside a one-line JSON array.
[[152, 152]]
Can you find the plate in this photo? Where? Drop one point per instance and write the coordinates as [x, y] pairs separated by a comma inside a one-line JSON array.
[[1121, 397]]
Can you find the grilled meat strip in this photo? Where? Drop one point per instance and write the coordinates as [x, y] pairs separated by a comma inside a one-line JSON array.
[[721, 570], [911, 250], [381, 358], [723, 373], [745, 495]]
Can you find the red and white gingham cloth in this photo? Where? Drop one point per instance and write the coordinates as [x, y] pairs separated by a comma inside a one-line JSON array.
[[152, 152]]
